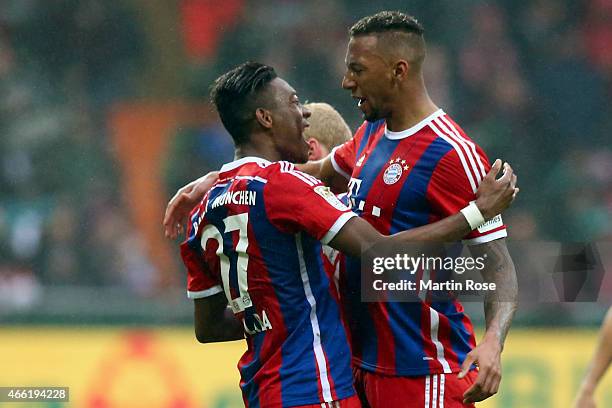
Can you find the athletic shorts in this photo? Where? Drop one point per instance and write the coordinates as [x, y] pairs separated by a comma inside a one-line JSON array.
[[350, 402], [430, 391]]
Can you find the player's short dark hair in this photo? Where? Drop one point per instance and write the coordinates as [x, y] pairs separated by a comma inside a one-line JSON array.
[[235, 93], [386, 21]]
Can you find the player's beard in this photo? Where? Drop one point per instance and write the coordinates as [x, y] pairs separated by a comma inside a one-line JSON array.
[[372, 115], [369, 112]]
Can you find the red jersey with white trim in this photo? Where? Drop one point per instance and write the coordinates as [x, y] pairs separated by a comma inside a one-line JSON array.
[[398, 181], [257, 237]]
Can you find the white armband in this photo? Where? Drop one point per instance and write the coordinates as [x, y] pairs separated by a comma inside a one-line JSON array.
[[473, 215]]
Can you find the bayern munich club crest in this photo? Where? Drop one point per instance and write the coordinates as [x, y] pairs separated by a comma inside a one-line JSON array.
[[395, 170]]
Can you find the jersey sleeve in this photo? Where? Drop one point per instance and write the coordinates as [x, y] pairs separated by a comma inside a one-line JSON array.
[[343, 157], [453, 186], [296, 201], [202, 281]]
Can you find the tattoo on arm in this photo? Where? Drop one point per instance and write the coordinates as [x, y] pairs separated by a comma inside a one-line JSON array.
[[500, 304]]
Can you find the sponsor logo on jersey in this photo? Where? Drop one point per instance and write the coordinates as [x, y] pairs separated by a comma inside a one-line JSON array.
[[330, 197], [360, 161]]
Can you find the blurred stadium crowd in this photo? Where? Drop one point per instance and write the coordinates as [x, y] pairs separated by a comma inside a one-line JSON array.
[[530, 81]]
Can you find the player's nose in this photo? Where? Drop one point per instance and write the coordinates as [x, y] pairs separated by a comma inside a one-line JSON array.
[[347, 83], [306, 113]]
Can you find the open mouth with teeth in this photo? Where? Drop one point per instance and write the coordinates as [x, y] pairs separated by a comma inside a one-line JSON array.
[[361, 101]]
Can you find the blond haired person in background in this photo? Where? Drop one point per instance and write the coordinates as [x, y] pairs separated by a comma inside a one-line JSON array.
[[327, 130]]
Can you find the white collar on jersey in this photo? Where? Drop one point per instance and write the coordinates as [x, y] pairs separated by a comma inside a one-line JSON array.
[[412, 130], [237, 163]]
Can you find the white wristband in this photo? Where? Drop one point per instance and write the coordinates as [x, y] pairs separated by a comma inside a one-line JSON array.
[[473, 215]]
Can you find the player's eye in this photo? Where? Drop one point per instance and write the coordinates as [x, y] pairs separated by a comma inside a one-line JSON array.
[[355, 69]]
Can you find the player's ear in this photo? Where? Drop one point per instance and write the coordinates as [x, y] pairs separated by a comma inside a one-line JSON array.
[[314, 149], [400, 70], [264, 117]]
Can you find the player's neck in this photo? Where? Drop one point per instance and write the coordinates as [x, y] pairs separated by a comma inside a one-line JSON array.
[[413, 106], [255, 149]]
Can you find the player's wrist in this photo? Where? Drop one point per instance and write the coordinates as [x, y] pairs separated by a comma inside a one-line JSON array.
[[587, 388], [473, 215], [493, 338]]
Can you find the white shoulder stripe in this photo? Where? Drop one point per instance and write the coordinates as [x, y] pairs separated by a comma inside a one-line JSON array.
[[469, 142], [309, 177], [466, 151], [301, 177], [255, 178], [289, 168], [459, 153], [470, 147], [286, 166]]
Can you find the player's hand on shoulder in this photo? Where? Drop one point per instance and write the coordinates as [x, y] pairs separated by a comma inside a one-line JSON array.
[[185, 199], [494, 194]]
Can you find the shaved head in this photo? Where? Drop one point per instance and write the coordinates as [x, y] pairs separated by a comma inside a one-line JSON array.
[[396, 45], [399, 36]]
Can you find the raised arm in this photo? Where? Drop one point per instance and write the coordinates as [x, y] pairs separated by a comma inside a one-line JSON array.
[[493, 197]]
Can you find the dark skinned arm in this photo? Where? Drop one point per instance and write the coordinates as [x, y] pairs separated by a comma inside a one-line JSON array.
[[493, 196], [597, 368], [324, 171], [499, 308], [212, 321]]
